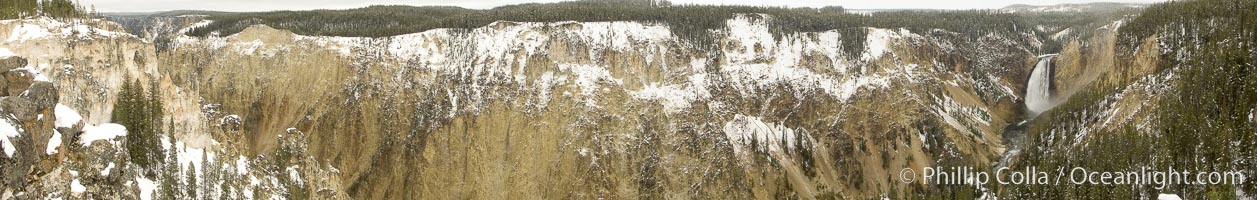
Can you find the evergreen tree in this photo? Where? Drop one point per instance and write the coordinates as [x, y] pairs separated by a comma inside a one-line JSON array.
[[191, 182], [207, 177], [141, 113], [170, 171], [62, 9]]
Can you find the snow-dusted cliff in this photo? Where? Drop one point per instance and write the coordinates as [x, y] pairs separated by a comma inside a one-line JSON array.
[[544, 110]]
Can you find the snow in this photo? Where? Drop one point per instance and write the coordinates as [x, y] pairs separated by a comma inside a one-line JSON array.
[[229, 119], [242, 165], [546, 84], [24, 32], [877, 43], [66, 116], [758, 61], [1061, 34], [5, 52], [185, 155], [849, 88], [751, 32], [588, 77], [743, 130], [254, 181], [101, 132], [7, 131], [248, 48], [34, 72], [44, 27], [294, 175], [211, 43], [341, 45], [674, 98], [957, 115], [53, 142], [1168, 197], [199, 24], [77, 187], [617, 35], [754, 60], [146, 187], [105, 172]]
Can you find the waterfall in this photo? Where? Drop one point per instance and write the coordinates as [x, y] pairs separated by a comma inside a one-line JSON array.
[[1039, 89]]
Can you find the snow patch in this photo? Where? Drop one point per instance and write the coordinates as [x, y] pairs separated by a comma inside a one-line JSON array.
[[674, 98], [66, 116], [877, 43], [146, 187], [101, 132], [248, 48], [1168, 197], [242, 165], [53, 142], [294, 175], [24, 32], [5, 52], [1062, 34], [77, 187], [105, 172], [192, 158], [589, 78], [7, 131], [199, 24], [44, 27]]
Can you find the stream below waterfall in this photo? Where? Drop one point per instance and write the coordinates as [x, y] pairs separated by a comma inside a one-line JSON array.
[[1038, 99]]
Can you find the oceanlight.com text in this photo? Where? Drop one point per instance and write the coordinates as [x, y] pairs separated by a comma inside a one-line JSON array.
[[1077, 175]]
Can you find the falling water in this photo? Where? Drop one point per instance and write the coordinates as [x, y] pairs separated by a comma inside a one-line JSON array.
[[1038, 99], [1039, 89]]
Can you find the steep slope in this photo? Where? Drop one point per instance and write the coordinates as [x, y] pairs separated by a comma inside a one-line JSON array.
[[1171, 89], [75, 64], [607, 109]]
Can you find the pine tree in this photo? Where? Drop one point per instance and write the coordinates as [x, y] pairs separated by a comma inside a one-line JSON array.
[[191, 179], [153, 122], [207, 176], [170, 172], [141, 113]]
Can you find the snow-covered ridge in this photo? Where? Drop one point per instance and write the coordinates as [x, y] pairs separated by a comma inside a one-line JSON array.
[[500, 52], [1084, 7], [48, 28]]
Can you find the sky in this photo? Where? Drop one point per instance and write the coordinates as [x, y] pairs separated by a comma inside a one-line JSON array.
[[269, 5]]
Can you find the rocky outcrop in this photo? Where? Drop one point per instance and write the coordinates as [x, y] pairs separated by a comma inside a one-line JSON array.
[[53, 71], [21, 117], [42, 95], [11, 63]]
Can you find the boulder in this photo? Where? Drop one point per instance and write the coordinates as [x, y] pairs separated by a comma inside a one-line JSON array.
[[17, 81], [43, 95], [11, 63], [68, 133], [20, 108], [14, 170]]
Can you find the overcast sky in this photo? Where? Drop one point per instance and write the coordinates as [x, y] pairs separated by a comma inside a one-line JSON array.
[[267, 5]]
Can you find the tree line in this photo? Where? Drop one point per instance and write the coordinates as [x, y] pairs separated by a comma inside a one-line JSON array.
[[690, 22], [64, 9]]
